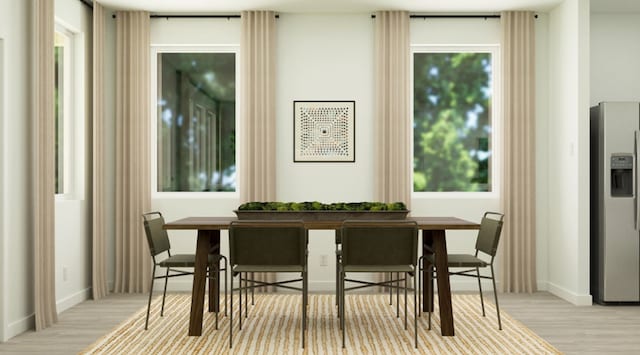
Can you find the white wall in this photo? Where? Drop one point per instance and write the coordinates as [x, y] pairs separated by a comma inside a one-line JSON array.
[[615, 49], [16, 258], [72, 224], [568, 159], [16, 229], [330, 57]]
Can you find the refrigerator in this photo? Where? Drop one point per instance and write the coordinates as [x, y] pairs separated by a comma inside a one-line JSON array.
[[615, 207]]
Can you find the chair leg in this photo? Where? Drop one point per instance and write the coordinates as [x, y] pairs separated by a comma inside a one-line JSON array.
[[253, 277], [415, 310], [304, 307], [216, 273], [153, 274], [226, 285], [343, 306], [418, 284], [164, 293], [480, 288], [397, 295], [430, 293], [231, 315], [246, 295], [406, 276], [240, 300], [390, 289], [495, 293]]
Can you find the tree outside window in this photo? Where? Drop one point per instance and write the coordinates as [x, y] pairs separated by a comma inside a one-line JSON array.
[[196, 122], [452, 122]]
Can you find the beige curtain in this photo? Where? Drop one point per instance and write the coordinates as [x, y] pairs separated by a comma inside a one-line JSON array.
[[393, 119], [133, 191], [44, 174], [518, 196], [99, 270], [257, 110]]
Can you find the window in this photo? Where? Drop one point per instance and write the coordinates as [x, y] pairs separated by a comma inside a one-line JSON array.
[[452, 120], [63, 111], [196, 121]]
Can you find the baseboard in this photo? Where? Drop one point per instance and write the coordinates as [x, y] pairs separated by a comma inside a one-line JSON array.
[[70, 301], [572, 297], [20, 326]]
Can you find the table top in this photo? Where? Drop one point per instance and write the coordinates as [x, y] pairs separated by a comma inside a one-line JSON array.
[[428, 223]]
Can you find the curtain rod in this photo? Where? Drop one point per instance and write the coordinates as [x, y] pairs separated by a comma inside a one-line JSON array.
[[455, 16], [88, 3], [193, 16]]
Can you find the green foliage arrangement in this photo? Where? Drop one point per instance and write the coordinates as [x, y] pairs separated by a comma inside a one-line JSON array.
[[317, 206]]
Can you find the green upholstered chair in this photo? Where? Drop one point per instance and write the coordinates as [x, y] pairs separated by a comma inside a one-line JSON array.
[[486, 243], [159, 244], [377, 247], [268, 247]]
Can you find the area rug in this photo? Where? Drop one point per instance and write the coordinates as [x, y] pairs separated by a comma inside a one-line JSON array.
[[273, 327]]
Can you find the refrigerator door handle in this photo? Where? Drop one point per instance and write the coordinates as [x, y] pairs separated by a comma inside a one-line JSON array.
[[635, 178]]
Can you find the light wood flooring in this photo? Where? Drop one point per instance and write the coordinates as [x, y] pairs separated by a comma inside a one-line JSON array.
[[572, 330]]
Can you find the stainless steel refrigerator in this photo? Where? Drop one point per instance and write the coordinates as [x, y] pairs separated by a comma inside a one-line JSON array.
[[615, 207]]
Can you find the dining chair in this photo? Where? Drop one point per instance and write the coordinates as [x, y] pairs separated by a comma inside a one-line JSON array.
[[268, 247], [378, 247], [159, 244], [486, 243]]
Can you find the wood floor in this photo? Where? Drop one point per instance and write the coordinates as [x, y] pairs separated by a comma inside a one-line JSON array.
[[572, 330]]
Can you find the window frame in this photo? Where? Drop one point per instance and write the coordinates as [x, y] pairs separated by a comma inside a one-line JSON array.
[[158, 49], [495, 143], [71, 113]]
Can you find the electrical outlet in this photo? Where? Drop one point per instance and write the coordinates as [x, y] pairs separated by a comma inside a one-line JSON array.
[[324, 260], [65, 273]]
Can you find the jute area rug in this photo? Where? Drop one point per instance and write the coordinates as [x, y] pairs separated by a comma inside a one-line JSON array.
[[273, 327]]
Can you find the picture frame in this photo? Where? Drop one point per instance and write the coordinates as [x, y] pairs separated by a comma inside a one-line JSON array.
[[324, 131]]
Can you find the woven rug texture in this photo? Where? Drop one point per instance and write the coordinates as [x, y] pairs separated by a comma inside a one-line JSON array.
[[273, 327]]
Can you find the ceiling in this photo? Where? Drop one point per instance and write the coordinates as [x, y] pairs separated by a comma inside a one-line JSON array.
[[332, 6]]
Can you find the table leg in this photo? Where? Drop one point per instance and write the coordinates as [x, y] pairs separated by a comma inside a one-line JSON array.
[[199, 280], [214, 285], [444, 288], [427, 249]]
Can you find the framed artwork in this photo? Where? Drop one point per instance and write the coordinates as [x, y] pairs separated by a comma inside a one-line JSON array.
[[324, 131]]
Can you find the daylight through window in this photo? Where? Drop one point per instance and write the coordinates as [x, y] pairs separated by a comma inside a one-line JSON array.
[[196, 122], [452, 126]]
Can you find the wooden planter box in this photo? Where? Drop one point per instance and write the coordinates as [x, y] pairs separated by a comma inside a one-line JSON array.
[[321, 215]]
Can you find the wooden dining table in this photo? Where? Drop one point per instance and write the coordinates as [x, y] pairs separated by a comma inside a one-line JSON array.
[[208, 241]]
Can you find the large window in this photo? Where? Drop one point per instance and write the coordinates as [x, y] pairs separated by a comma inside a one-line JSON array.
[[196, 121], [63, 110], [452, 127]]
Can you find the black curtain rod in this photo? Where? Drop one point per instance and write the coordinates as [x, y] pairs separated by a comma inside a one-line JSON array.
[[454, 16], [89, 3], [194, 16]]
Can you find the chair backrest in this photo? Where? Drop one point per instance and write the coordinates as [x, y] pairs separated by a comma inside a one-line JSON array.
[[157, 236], [489, 234], [267, 243], [379, 242]]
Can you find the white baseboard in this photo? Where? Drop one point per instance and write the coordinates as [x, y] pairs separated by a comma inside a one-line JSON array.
[[72, 300], [572, 297], [22, 325]]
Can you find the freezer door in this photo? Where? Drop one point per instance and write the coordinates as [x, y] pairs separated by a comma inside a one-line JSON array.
[[621, 241]]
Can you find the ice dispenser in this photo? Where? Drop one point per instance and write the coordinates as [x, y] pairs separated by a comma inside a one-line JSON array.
[[622, 175]]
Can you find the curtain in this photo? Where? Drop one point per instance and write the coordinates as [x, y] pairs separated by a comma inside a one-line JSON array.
[[393, 119], [518, 195], [44, 174], [133, 191], [99, 269], [257, 112]]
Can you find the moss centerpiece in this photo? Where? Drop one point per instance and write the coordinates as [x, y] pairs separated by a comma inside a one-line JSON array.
[[316, 211]]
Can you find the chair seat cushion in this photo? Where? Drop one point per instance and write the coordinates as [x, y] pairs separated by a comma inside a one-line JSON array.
[[461, 260], [268, 268], [378, 268], [186, 260]]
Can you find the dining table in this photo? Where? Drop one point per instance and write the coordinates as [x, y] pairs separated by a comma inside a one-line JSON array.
[[208, 242]]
